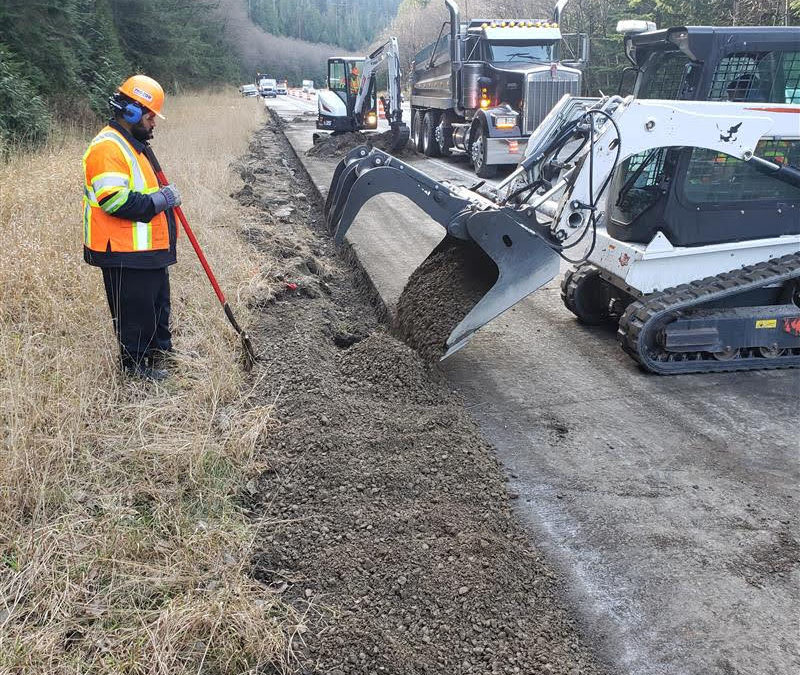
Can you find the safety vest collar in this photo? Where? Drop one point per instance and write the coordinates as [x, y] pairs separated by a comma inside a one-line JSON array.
[[136, 145]]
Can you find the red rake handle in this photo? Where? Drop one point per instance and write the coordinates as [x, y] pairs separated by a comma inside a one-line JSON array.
[[195, 244], [162, 179]]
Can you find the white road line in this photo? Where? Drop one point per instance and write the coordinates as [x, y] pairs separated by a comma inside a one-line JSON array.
[[471, 177], [449, 167]]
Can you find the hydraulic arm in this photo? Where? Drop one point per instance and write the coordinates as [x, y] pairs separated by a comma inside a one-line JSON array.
[[389, 53]]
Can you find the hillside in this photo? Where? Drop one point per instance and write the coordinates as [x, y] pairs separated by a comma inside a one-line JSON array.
[[60, 59]]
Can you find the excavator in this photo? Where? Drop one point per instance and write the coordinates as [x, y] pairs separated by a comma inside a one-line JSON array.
[[350, 103], [678, 206]]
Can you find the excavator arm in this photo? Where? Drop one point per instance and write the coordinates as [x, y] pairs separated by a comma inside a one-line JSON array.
[[389, 53]]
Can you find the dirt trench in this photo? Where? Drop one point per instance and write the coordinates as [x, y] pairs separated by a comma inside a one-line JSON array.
[[388, 521], [336, 146]]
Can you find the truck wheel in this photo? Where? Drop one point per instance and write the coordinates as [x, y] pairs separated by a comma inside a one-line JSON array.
[[430, 146], [445, 150], [478, 154], [416, 130]]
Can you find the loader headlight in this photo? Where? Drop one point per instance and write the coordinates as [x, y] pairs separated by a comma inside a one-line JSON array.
[[505, 121], [372, 118]]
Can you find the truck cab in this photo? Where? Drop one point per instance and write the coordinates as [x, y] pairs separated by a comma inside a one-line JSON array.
[[486, 84], [267, 87]]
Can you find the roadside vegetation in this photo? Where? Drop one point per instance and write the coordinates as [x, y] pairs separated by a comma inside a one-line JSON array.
[[122, 547]]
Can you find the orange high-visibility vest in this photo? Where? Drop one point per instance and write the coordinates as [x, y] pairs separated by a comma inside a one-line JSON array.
[[113, 169]]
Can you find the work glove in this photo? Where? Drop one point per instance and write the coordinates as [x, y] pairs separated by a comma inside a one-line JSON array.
[[167, 197]]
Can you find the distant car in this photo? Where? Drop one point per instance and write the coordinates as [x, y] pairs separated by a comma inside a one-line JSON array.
[[248, 90], [282, 89]]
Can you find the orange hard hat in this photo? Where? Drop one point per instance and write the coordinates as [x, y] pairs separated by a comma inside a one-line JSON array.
[[144, 90]]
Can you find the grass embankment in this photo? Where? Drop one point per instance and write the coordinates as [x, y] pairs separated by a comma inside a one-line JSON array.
[[121, 546]]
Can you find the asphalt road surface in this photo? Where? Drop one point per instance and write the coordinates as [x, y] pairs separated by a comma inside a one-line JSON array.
[[669, 504]]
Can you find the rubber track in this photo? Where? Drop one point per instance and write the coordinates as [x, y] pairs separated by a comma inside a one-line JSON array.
[[647, 315]]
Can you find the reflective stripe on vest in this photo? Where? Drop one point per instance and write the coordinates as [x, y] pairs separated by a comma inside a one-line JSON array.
[[142, 232]]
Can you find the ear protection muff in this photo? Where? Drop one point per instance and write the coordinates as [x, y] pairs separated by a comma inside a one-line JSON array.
[[131, 111]]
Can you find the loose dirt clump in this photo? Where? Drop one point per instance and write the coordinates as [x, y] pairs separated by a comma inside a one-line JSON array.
[[440, 293], [389, 522], [334, 146]]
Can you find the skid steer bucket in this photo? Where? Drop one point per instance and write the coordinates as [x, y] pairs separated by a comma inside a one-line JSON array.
[[509, 237]]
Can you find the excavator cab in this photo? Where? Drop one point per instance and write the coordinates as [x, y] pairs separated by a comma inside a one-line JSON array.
[[337, 111]]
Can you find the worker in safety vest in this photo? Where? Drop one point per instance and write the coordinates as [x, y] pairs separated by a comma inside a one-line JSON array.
[[354, 79], [129, 227]]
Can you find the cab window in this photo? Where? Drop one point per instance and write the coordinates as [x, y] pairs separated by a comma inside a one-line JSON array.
[[766, 77], [662, 75], [514, 52], [337, 80]]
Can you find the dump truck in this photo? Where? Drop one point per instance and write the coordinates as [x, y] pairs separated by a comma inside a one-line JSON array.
[[484, 85], [677, 208]]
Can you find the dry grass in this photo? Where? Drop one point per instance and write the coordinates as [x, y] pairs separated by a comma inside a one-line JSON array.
[[121, 546]]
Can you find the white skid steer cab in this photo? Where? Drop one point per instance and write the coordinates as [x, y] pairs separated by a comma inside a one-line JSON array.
[[350, 101], [679, 207]]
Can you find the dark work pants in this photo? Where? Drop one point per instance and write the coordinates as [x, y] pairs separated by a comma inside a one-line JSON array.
[[139, 304]]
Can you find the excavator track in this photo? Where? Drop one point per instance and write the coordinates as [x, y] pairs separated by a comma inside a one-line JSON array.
[[644, 320]]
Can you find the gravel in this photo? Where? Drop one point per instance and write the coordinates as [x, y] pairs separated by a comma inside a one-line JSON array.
[[389, 520]]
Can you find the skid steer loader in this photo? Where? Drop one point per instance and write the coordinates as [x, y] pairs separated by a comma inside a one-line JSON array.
[[679, 206]]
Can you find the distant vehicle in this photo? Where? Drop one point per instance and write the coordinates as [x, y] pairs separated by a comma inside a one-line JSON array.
[[267, 87], [283, 87], [308, 86], [248, 90]]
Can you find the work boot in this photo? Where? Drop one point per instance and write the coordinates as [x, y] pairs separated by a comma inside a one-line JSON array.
[[143, 368]]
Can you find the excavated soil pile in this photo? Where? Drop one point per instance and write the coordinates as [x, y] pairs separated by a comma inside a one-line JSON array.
[[386, 519], [338, 145], [440, 292]]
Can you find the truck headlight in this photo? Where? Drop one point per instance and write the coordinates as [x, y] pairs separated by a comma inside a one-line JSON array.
[[505, 121]]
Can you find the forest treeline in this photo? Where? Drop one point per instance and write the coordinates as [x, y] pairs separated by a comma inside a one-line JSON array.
[[60, 59], [350, 24]]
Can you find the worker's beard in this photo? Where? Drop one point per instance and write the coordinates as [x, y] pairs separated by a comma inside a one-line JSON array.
[[141, 133]]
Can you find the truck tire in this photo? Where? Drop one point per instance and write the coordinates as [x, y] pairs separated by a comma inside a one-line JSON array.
[[477, 153], [445, 150], [416, 130], [430, 146]]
